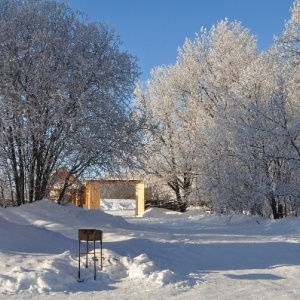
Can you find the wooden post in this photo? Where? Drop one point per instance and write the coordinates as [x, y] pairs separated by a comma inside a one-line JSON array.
[[140, 198], [87, 194], [95, 195], [92, 195]]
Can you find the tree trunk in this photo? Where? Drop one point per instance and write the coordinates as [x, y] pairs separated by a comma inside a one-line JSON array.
[[174, 185], [273, 204]]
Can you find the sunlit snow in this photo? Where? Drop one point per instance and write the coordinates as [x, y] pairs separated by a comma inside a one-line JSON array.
[[159, 255]]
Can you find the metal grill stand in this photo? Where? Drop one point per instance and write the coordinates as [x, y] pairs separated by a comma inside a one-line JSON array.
[[89, 235]]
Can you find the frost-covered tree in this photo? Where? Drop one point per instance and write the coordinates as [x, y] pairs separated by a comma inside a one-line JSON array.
[[255, 161], [288, 48], [64, 90], [180, 102], [170, 144], [251, 143], [288, 43], [229, 117]]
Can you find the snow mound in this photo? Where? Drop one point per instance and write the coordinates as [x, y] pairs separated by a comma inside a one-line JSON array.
[[36, 274], [32, 239], [156, 212], [140, 267], [117, 204], [52, 216]]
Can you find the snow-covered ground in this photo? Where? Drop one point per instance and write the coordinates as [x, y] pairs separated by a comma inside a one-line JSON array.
[[159, 255], [117, 207]]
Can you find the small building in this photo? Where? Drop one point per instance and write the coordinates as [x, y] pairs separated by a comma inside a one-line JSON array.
[[75, 192]]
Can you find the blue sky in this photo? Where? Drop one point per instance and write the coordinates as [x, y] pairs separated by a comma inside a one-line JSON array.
[[154, 29]]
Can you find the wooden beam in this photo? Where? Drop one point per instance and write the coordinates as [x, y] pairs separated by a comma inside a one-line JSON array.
[[114, 181]]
